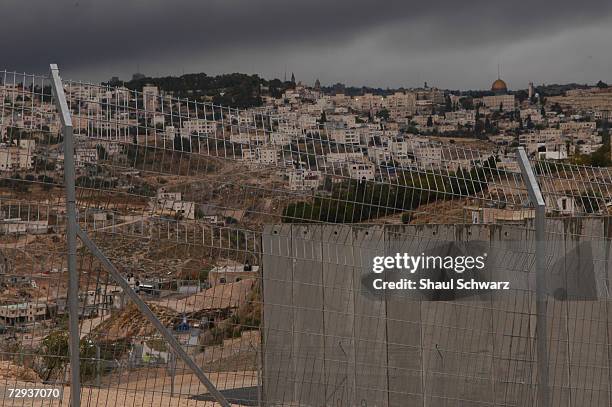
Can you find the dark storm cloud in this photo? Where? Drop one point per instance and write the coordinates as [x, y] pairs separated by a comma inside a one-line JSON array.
[[100, 37]]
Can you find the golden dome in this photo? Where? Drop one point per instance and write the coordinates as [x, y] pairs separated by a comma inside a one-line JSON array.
[[499, 86]]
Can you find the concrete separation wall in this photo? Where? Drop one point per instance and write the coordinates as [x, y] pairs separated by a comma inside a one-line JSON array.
[[328, 341]]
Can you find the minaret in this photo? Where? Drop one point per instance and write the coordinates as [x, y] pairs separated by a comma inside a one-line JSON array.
[[292, 78]]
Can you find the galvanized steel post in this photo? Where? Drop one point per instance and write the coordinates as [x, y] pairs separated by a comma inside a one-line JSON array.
[[71, 233], [537, 200]]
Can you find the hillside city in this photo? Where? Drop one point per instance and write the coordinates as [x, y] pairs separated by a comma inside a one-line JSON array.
[[292, 149]]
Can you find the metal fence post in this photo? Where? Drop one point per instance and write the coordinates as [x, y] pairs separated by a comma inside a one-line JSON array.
[[536, 198], [71, 229]]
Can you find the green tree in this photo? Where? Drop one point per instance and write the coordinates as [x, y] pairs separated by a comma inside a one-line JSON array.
[[466, 103], [355, 201], [448, 105], [383, 114], [323, 118], [54, 353], [102, 155], [406, 218]]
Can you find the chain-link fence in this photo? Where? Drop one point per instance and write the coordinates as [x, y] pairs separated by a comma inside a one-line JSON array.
[[211, 266]]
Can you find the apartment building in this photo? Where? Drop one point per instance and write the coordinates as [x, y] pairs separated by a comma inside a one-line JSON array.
[[428, 156], [13, 314], [249, 155], [400, 104], [303, 180], [199, 126], [267, 155], [344, 136], [505, 102], [85, 156], [280, 139], [362, 171], [14, 158], [340, 158], [578, 126]]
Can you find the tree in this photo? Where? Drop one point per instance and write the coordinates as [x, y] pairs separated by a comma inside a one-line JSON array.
[[102, 155], [448, 105], [54, 353], [323, 118], [466, 103], [601, 157], [429, 121], [487, 125], [383, 114], [406, 218], [182, 143], [358, 200], [602, 85]]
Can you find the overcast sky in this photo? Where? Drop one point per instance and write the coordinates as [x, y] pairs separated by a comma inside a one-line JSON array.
[[384, 43]]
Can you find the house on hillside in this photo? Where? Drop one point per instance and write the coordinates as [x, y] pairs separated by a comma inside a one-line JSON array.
[[562, 205], [231, 273]]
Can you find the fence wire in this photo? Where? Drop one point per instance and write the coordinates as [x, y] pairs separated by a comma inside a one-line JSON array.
[[180, 196]]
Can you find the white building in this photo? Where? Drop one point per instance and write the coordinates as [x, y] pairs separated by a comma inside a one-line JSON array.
[[563, 205], [301, 179], [339, 158], [15, 158], [280, 139], [554, 151], [12, 314], [267, 155], [150, 94], [249, 155], [578, 126], [344, 136], [428, 156], [232, 273], [199, 126], [362, 171], [85, 156], [184, 209]]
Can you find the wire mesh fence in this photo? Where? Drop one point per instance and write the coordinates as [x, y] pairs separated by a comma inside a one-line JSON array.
[[181, 197]]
